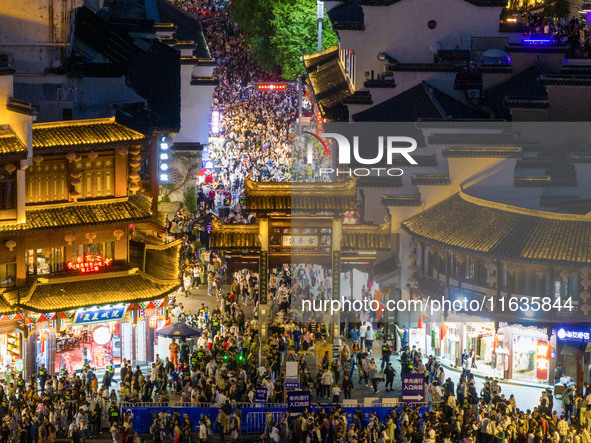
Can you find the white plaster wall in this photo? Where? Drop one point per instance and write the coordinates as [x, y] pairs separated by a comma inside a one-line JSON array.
[[195, 106], [401, 31], [34, 31]]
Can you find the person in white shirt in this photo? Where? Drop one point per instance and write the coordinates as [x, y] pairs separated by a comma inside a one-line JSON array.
[[362, 331], [369, 336]]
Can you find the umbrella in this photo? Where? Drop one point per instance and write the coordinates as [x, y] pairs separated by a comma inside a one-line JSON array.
[[178, 330]]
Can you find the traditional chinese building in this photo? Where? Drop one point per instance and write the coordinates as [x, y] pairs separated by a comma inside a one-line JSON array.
[[76, 232], [302, 223]]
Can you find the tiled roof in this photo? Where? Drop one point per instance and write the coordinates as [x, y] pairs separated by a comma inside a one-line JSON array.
[[5, 307], [347, 16], [93, 290], [419, 102], [494, 230], [80, 214], [358, 237], [10, 143], [82, 133], [301, 197], [162, 262], [522, 85], [20, 106], [402, 200], [327, 77], [230, 236]]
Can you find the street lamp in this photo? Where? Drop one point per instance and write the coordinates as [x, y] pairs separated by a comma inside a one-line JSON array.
[[320, 16]]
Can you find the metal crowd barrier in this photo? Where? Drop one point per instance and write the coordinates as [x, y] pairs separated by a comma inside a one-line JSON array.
[[254, 418]]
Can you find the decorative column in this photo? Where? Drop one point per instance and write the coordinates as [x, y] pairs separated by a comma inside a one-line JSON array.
[[263, 277], [337, 237]]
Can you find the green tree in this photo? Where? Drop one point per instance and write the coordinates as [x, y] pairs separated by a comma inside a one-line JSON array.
[[280, 31], [190, 199]]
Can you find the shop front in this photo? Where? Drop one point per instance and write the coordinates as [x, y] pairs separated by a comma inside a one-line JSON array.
[[488, 349], [12, 347], [531, 353], [450, 343], [95, 335]]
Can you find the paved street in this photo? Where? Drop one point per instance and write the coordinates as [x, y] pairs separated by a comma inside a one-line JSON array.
[[527, 397]]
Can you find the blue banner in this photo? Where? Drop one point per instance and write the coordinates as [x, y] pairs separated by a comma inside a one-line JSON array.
[[297, 401], [99, 315], [260, 395], [413, 388], [253, 418]]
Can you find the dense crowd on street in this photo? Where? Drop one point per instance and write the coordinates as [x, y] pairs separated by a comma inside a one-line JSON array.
[[229, 360]]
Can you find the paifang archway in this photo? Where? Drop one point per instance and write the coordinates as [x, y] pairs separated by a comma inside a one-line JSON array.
[[301, 223]]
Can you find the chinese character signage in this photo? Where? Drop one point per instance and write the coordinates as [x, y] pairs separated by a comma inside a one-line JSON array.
[[413, 388], [100, 315], [543, 357], [302, 241], [89, 263], [297, 401], [260, 395], [565, 334], [292, 385]]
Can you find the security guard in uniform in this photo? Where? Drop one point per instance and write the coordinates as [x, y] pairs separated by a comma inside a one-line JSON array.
[[63, 371], [42, 377], [111, 370], [194, 361], [20, 382], [386, 353], [113, 414]]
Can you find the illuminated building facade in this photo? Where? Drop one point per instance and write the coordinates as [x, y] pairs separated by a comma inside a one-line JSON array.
[[76, 230]]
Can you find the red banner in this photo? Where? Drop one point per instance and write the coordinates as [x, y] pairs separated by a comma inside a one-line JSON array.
[[543, 356]]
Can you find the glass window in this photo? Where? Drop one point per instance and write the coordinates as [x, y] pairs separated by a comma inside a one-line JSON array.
[[7, 274], [44, 261], [46, 181]]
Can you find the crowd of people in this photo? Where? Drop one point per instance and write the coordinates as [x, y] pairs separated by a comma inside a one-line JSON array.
[[229, 361]]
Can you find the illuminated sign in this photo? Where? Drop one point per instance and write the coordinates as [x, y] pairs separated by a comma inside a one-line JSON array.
[[89, 263], [271, 86], [564, 334], [100, 315], [215, 122], [164, 158], [538, 41], [101, 335], [543, 356]]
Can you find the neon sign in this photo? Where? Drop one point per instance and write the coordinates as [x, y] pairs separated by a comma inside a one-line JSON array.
[[539, 41], [89, 263], [271, 86]]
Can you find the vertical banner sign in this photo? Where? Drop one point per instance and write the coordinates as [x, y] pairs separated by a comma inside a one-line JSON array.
[[543, 357], [297, 401], [413, 388], [67, 358], [336, 275], [263, 276]]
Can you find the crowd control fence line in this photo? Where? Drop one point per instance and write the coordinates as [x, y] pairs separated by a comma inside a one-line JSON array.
[[253, 417]]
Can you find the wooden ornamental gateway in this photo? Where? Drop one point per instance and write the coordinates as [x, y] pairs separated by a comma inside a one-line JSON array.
[[300, 223]]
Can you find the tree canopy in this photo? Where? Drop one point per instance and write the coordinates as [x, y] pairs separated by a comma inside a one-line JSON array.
[[280, 31]]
